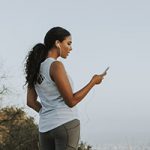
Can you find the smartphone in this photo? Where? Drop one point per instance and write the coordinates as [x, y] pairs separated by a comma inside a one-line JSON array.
[[104, 73]]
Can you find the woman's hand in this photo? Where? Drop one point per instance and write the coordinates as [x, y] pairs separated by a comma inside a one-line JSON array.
[[97, 79]]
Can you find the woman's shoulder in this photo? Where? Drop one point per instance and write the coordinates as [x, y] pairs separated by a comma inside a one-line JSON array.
[[57, 65]]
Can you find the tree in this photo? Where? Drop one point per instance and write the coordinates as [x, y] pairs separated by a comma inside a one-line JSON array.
[[17, 130], [3, 88]]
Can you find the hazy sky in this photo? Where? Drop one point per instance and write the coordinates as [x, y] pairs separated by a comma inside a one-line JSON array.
[[111, 33]]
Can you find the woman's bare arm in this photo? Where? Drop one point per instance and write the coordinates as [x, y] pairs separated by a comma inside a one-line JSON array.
[[58, 74], [32, 100]]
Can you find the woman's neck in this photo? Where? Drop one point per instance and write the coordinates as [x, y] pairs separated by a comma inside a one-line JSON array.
[[53, 53]]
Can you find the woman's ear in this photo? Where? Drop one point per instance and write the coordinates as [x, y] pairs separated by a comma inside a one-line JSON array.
[[57, 44]]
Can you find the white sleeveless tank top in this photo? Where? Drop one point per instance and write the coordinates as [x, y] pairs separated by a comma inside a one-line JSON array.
[[54, 111]]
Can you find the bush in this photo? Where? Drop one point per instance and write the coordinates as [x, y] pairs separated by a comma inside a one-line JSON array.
[[17, 130]]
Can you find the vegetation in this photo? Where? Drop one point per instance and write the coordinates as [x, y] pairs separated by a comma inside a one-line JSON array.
[[3, 88], [17, 130], [84, 146]]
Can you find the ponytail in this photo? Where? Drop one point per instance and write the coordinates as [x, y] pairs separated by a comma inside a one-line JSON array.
[[33, 61], [39, 53]]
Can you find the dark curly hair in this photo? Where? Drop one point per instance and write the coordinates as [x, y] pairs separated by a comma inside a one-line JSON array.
[[39, 53]]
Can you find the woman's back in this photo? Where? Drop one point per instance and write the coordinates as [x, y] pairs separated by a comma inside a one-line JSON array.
[[53, 105]]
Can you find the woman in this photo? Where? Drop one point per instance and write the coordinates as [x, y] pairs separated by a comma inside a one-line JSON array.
[[59, 125]]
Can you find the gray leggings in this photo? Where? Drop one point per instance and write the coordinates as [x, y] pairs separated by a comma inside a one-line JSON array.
[[64, 137]]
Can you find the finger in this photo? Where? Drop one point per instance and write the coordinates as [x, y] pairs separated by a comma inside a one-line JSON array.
[[102, 77], [104, 73]]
